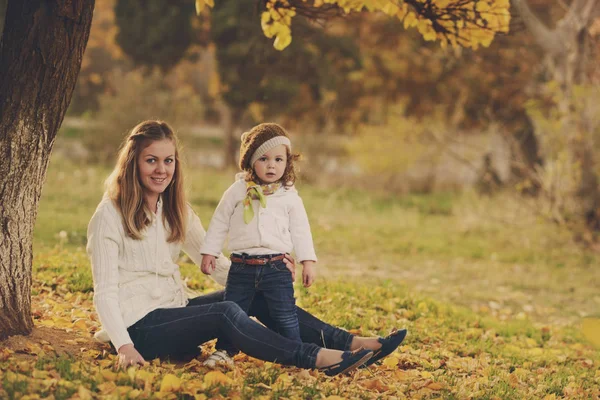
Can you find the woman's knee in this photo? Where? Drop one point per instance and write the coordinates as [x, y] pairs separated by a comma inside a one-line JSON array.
[[231, 309]]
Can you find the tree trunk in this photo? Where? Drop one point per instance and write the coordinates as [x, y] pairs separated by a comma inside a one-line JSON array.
[[3, 4], [40, 58], [567, 47], [232, 122], [525, 149]]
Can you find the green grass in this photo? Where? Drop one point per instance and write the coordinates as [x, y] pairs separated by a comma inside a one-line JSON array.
[[460, 248]]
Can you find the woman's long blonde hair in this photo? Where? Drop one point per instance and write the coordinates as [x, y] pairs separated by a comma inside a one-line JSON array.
[[125, 190]]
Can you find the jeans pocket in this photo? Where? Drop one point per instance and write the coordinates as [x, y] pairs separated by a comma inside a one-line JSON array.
[[237, 267], [279, 266]]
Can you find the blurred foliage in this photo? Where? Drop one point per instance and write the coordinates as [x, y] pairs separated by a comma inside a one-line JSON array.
[[293, 82], [3, 4], [101, 58], [155, 32], [386, 151], [138, 96]]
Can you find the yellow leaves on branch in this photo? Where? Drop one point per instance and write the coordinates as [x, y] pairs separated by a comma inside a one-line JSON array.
[[277, 22], [459, 23], [200, 4]]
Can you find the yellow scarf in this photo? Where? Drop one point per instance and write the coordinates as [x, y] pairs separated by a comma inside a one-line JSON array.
[[258, 192]]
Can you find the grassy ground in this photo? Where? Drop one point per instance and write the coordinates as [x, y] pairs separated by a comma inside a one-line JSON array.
[[492, 298]]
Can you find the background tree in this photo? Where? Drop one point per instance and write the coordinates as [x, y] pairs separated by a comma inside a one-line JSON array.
[[251, 71], [40, 57], [570, 61], [474, 88], [155, 32], [3, 4], [101, 59]]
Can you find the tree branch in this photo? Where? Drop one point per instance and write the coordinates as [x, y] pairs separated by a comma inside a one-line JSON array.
[[549, 40]]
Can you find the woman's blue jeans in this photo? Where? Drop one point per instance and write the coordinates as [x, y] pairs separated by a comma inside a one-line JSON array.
[[177, 332]]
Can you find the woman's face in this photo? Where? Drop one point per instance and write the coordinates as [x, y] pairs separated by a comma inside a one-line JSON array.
[[156, 166]]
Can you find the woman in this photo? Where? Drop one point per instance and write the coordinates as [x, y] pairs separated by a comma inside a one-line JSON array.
[[134, 238]]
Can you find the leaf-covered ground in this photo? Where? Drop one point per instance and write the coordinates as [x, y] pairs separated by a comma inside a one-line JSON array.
[[491, 295], [450, 352]]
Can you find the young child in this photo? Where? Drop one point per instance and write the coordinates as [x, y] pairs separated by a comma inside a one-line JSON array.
[[265, 218]]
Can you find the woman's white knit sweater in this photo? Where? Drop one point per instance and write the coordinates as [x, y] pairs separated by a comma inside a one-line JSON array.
[[127, 271]]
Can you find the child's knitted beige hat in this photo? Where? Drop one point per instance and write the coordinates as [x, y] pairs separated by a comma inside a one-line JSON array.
[[259, 140]]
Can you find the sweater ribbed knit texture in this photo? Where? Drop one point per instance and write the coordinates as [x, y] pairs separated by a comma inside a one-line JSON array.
[[127, 271]]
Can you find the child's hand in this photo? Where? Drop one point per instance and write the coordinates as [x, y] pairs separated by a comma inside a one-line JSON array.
[[308, 273], [208, 264]]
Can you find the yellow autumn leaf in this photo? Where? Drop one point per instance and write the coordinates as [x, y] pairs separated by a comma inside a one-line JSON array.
[[390, 362], [482, 6], [410, 20], [265, 18], [402, 11], [435, 386], [107, 387], [170, 383], [217, 378], [591, 330], [84, 393], [390, 8], [199, 6], [108, 375], [80, 324], [282, 41], [37, 374], [375, 384], [283, 381]]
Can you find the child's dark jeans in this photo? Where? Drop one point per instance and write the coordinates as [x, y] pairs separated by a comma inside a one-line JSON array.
[[274, 282]]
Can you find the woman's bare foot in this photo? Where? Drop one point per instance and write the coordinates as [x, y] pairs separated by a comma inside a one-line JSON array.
[[327, 357], [371, 343]]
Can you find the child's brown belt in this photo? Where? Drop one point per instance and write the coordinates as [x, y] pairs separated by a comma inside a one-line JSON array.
[[256, 261]]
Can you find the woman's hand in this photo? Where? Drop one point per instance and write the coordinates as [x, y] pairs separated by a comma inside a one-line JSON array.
[[308, 273], [209, 264], [291, 265], [129, 356]]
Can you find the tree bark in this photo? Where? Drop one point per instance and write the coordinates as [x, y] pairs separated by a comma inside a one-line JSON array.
[[3, 4], [232, 122], [40, 58]]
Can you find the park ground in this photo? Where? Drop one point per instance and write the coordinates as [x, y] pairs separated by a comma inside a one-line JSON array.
[[497, 301]]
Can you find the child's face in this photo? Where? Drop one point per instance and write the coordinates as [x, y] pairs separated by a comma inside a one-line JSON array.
[[271, 166]]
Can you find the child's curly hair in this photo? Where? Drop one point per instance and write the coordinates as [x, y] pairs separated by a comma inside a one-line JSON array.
[[252, 140]]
